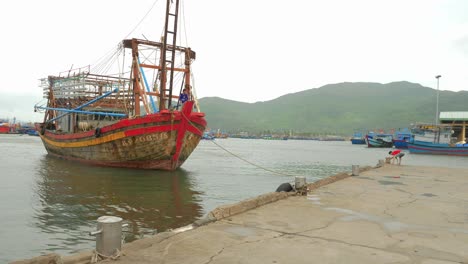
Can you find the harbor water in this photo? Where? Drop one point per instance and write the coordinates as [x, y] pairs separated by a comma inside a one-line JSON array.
[[49, 205]]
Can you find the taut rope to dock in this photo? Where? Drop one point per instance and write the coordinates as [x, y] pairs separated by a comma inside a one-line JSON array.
[[239, 157]]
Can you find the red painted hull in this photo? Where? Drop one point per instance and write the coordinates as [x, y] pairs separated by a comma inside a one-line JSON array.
[[157, 141], [4, 129]]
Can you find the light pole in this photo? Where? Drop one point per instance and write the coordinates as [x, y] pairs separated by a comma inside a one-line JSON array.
[[437, 101]]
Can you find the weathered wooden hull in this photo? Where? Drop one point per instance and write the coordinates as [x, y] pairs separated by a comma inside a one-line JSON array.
[[157, 141]]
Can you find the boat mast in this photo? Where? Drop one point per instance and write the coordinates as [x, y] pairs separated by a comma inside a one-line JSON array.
[[166, 64], [463, 132], [136, 80], [170, 35]]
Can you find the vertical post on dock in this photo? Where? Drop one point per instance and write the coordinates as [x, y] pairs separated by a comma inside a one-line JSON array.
[[381, 163], [108, 235], [437, 101], [300, 184], [463, 133]]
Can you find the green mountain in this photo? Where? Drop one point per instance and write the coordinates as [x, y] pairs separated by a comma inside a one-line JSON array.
[[335, 109]]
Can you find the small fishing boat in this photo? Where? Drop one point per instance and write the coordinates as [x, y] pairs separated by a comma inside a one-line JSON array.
[[125, 118], [32, 133], [358, 138], [4, 128], [401, 138], [424, 147], [381, 140], [441, 139], [208, 136]]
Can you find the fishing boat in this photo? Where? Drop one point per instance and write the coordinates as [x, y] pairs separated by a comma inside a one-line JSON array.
[[401, 138], [358, 139], [32, 133], [424, 147], [379, 140], [208, 136], [441, 139], [4, 128], [125, 118]]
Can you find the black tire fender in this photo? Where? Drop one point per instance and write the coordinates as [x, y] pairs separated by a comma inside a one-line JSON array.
[[97, 132], [284, 187]]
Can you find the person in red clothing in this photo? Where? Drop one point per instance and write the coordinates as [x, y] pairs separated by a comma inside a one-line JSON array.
[[396, 155]]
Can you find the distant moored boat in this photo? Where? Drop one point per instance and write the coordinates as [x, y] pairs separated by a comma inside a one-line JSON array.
[[375, 140], [442, 139], [358, 139], [401, 139]]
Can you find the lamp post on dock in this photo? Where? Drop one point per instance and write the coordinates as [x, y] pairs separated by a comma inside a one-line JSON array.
[[437, 101]]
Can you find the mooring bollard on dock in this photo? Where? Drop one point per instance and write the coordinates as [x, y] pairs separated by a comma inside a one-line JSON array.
[[108, 236], [300, 184], [355, 170], [381, 163]]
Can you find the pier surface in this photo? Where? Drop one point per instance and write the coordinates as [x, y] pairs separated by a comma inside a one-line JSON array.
[[393, 214]]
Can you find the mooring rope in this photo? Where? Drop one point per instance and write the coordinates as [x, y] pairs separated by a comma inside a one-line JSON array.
[[237, 156], [97, 257], [249, 162]]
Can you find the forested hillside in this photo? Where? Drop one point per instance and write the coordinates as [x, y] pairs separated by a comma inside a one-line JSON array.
[[335, 109]]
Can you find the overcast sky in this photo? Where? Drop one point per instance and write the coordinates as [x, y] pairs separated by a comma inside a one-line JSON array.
[[247, 50]]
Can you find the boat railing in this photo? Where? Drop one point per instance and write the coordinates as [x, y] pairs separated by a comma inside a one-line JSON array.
[[83, 85]]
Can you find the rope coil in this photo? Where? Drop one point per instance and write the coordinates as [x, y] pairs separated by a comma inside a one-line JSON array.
[[96, 257]]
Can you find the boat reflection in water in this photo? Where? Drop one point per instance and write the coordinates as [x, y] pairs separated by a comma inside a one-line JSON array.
[[72, 196]]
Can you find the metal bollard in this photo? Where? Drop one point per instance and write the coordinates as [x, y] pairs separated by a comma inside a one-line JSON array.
[[108, 235], [355, 170], [299, 182], [381, 163], [300, 185]]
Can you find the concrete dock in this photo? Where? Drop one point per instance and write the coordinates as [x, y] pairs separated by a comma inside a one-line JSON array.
[[392, 214]]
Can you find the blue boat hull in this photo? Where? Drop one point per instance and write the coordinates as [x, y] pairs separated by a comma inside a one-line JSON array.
[[421, 147], [401, 138], [400, 143], [358, 141]]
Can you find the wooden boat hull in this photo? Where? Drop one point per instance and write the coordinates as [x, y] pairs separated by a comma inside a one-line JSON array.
[[421, 147], [157, 141]]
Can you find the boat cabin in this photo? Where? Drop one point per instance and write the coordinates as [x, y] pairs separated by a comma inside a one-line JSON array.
[[458, 122]]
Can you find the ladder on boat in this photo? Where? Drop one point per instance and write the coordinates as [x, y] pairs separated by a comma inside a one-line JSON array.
[[168, 53]]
